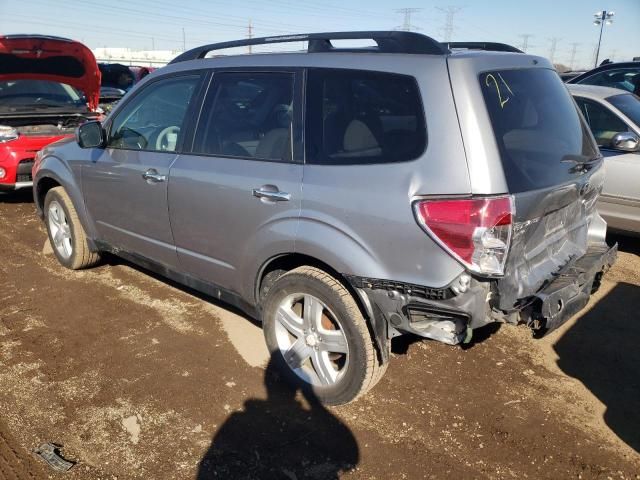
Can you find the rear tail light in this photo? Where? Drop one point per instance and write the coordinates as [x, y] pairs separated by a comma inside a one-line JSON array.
[[476, 231]]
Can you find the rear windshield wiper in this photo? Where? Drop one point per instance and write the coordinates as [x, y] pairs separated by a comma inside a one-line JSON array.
[[580, 165]]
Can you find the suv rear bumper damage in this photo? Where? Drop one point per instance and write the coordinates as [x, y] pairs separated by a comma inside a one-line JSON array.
[[570, 290], [450, 314]]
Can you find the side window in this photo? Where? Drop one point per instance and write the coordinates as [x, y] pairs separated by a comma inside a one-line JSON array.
[[247, 115], [361, 117], [153, 119], [603, 122], [624, 78]]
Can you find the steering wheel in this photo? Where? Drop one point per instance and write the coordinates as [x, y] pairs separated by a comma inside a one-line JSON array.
[[167, 138]]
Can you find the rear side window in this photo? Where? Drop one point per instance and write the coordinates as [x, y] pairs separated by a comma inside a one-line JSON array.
[[247, 115], [539, 132], [363, 117]]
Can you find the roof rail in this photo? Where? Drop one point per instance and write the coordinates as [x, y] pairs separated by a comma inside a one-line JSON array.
[[491, 46], [387, 42]]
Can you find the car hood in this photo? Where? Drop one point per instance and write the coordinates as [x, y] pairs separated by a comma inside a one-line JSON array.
[[40, 57]]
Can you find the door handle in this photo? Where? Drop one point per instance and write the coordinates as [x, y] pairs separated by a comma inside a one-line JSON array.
[[276, 196], [152, 176]]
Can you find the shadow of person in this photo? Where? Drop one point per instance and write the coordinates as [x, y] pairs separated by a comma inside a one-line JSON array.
[[24, 195], [601, 350], [287, 436]]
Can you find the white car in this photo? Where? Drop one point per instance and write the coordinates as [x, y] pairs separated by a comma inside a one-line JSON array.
[[614, 118]]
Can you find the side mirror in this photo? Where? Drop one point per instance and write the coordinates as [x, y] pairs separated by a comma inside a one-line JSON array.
[[90, 135], [626, 142]]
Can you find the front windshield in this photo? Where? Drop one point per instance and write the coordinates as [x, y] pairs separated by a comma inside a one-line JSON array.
[[629, 105], [17, 94]]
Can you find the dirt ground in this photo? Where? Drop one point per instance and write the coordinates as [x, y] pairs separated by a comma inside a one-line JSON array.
[[140, 378]]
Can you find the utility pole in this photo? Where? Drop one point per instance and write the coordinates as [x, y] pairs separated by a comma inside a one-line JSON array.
[[450, 12], [184, 42], [574, 49], [601, 18], [525, 41], [250, 33], [153, 43], [407, 26], [552, 49]]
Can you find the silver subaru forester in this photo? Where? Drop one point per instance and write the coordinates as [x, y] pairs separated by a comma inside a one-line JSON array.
[[344, 196]]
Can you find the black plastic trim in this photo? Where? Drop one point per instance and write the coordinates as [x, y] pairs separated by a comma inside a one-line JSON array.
[[388, 42]]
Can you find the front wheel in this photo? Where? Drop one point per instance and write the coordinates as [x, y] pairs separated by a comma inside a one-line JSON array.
[[317, 335], [67, 237]]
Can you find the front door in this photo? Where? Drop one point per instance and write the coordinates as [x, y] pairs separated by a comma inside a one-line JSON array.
[[125, 185], [235, 199]]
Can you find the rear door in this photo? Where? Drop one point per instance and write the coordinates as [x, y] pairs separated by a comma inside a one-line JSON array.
[[125, 185], [235, 198]]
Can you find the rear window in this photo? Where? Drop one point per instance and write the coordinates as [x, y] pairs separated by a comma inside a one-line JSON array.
[[363, 117], [538, 129]]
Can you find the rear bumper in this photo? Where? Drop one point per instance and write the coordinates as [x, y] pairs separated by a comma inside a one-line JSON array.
[[570, 290], [449, 314]]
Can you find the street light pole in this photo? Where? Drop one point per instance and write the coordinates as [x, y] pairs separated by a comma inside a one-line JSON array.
[[601, 18]]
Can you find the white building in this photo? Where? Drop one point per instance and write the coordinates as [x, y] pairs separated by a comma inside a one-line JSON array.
[[127, 56]]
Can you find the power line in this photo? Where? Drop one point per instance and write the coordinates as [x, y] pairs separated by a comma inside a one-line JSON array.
[[450, 13], [406, 25], [525, 41]]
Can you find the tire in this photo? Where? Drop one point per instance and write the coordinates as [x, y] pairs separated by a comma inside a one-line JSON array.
[[334, 370], [61, 218]]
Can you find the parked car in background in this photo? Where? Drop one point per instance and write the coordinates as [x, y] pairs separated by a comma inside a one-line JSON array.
[[623, 75], [140, 72], [566, 76], [117, 80], [304, 189], [48, 86], [614, 118]]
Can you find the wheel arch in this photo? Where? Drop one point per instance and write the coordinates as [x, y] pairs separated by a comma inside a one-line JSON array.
[[289, 261], [52, 173]]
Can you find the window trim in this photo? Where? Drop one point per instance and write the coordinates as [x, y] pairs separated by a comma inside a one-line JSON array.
[[412, 78], [297, 146], [199, 74]]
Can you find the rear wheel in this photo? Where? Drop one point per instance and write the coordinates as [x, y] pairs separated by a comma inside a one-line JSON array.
[[318, 337], [67, 237]]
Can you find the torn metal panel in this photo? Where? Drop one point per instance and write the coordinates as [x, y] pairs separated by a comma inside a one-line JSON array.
[[50, 453]]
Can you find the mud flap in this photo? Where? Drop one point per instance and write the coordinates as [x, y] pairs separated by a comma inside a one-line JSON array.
[[569, 292]]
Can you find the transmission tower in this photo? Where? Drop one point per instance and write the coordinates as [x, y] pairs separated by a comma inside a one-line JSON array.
[[407, 26], [250, 33], [552, 48], [525, 41], [574, 49], [450, 12]]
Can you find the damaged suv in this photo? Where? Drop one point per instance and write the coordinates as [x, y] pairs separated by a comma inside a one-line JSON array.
[[344, 196], [48, 86]]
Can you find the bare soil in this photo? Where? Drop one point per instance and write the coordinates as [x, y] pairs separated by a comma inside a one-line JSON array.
[[140, 378]]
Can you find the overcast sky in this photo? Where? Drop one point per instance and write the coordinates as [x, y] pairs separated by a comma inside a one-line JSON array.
[[159, 24]]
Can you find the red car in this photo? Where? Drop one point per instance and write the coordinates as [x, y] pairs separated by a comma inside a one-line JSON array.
[[48, 86]]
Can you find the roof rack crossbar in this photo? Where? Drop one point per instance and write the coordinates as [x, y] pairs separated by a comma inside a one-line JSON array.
[[491, 46], [387, 42]]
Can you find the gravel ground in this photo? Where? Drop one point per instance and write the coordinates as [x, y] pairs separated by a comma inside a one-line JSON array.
[[138, 377]]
